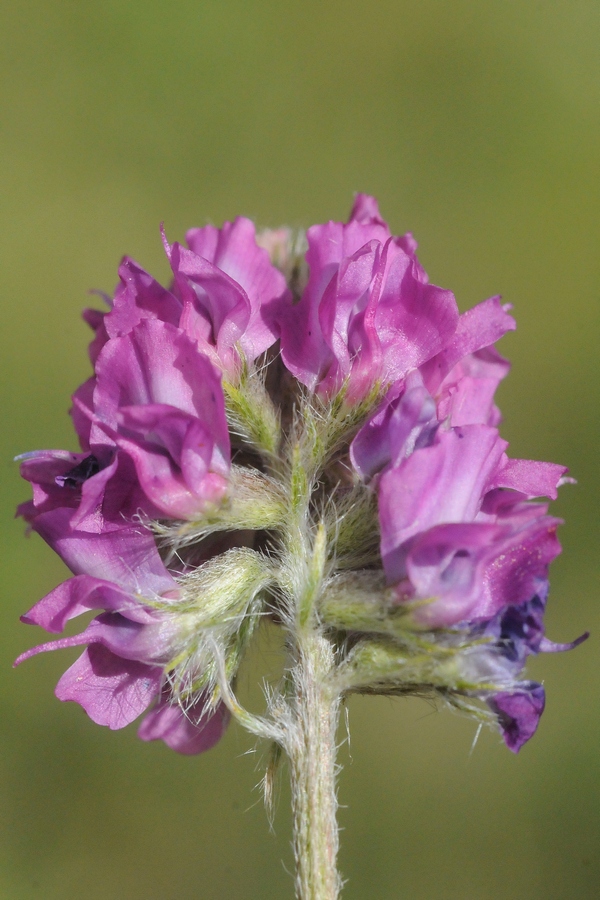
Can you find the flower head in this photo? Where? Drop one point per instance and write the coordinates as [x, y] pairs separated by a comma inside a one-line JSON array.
[[353, 487]]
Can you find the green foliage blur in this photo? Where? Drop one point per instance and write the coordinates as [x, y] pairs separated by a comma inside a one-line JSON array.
[[477, 125]]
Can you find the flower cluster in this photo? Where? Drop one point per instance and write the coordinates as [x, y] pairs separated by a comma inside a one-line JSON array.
[[308, 437]]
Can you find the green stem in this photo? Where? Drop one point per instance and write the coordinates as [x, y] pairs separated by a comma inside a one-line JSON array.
[[313, 706], [312, 751]]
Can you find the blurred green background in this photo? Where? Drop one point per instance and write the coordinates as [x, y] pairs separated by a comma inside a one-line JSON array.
[[477, 125]]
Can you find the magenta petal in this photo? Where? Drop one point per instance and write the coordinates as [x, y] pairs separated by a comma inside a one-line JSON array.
[[156, 363], [367, 315], [366, 211], [314, 332], [233, 249], [181, 434], [127, 556], [446, 567], [83, 399], [477, 328], [189, 732], [111, 498], [113, 691], [165, 485], [516, 567], [148, 641], [469, 401], [529, 477], [440, 483], [95, 319], [227, 283], [137, 297], [45, 470], [414, 319], [472, 571], [78, 595]]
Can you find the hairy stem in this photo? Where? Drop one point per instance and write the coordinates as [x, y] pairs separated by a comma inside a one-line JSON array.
[[312, 751]]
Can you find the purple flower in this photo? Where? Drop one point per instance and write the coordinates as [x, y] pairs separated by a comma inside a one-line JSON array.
[[121, 671], [518, 712], [457, 386], [513, 634], [158, 437], [224, 292], [160, 401], [102, 491], [463, 552], [368, 314], [451, 537], [189, 731], [464, 376], [465, 547]]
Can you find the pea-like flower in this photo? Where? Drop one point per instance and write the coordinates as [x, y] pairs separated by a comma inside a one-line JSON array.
[[368, 314]]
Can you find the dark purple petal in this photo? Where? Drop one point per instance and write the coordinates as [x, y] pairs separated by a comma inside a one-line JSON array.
[[518, 713], [548, 646], [392, 433]]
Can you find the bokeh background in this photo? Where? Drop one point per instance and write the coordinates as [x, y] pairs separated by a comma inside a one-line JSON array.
[[477, 125]]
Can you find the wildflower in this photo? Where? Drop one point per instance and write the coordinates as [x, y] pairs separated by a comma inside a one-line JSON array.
[[222, 297], [150, 619], [368, 314], [353, 489]]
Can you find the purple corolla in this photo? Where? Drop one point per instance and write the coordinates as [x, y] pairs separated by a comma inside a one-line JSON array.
[[155, 428], [461, 536], [368, 314], [224, 292], [122, 670]]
